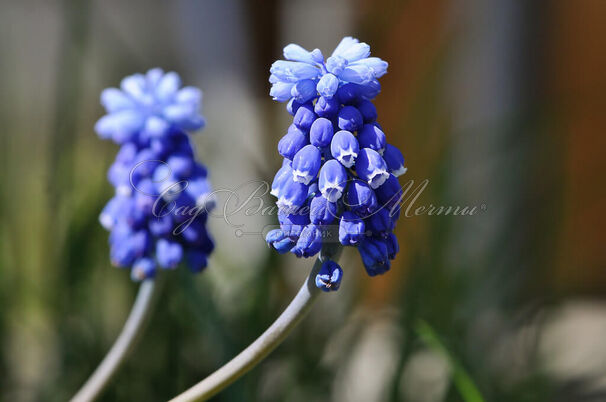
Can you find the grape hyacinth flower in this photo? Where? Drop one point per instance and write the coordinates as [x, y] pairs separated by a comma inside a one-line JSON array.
[[338, 173], [338, 167], [157, 217]]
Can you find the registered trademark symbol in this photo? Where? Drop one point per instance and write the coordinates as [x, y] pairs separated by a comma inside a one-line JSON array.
[[483, 207]]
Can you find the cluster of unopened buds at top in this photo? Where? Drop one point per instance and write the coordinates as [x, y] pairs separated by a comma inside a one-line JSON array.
[[338, 169], [158, 214]]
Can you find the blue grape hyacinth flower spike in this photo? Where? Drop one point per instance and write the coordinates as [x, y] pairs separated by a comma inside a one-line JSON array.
[[338, 181], [157, 218]]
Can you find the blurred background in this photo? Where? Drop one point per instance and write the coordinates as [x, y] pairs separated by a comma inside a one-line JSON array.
[[497, 103]]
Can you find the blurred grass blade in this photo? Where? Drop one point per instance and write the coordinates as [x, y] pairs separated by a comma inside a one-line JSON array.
[[463, 382]]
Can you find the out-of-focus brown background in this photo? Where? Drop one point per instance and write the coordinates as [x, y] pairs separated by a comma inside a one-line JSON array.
[[498, 103]]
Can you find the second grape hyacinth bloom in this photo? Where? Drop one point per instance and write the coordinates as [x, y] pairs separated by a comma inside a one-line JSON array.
[[157, 217], [338, 168]]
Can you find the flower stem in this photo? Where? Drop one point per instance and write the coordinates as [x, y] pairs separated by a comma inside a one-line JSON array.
[[263, 345], [124, 344]]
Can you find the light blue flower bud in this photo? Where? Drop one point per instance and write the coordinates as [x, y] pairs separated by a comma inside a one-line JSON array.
[[333, 180], [344, 148], [167, 87], [371, 167], [317, 56], [371, 136], [329, 277], [321, 132], [358, 74], [351, 229], [304, 90], [120, 126], [394, 159], [297, 53], [355, 52], [293, 71], [336, 65], [114, 100], [328, 85], [344, 45], [306, 164], [376, 65], [281, 91]]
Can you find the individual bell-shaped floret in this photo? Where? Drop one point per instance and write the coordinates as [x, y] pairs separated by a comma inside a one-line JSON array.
[[291, 194], [309, 243], [380, 223], [371, 167], [329, 277], [279, 240], [390, 194], [292, 142], [374, 255], [360, 198], [306, 164], [344, 148], [305, 116], [322, 211], [328, 85], [292, 222], [333, 180], [303, 90], [351, 229], [394, 160], [326, 107], [368, 111], [350, 119], [371, 136], [285, 172], [321, 132]]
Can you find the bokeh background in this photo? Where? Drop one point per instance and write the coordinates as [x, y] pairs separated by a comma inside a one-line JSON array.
[[496, 102]]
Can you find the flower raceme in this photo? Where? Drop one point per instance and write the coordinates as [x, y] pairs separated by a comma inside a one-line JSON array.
[[155, 175], [338, 168]]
